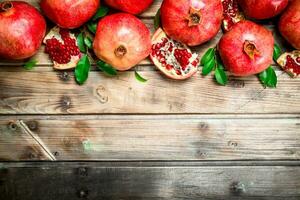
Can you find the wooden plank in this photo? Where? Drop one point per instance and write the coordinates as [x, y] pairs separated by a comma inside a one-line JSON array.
[[96, 181], [52, 93], [159, 137]]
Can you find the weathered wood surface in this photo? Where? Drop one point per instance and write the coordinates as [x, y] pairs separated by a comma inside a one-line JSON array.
[[52, 93], [186, 137], [98, 181]]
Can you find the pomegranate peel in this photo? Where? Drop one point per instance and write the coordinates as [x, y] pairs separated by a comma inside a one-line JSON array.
[[290, 62], [173, 59], [61, 45]]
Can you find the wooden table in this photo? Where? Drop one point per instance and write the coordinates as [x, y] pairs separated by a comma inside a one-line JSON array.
[[116, 138]]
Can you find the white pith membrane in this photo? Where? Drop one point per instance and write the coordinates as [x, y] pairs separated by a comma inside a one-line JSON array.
[[282, 61], [54, 33], [170, 59]]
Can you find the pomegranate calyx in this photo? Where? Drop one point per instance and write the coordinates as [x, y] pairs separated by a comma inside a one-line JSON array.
[[250, 49], [194, 17], [121, 51], [5, 6]]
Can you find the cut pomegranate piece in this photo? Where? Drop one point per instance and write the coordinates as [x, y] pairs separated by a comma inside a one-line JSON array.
[[172, 58], [290, 62], [231, 13], [61, 45]]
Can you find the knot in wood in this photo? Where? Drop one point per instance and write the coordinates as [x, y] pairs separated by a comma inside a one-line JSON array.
[[238, 188], [101, 94], [82, 193], [64, 76], [83, 171], [32, 125], [12, 126]]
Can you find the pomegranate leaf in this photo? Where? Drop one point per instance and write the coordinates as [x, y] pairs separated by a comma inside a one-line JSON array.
[[208, 67], [208, 56], [157, 19], [268, 78], [140, 78], [29, 65], [82, 70], [88, 42], [80, 43], [92, 26], [277, 52], [106, 68], [102, 11], [221, 76]]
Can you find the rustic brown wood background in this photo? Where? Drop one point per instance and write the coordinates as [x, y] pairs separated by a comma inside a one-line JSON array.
[[159, 140]]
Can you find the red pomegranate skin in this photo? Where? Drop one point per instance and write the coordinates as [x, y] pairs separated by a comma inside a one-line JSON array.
[[126, 31], [175, 14], [289, 24], [231, 49], [22, 29], [262, 9], [69, 14], [130, 6]]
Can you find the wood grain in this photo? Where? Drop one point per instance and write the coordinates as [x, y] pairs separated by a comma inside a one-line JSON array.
[[52, 93], [97, 181], [186, 137]]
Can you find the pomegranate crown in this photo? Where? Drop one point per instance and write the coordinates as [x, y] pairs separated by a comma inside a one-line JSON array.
[[5, 6]]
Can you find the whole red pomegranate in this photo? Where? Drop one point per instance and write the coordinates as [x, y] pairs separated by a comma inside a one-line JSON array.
[[191, 22], [262, 9], [130, 6], [69, 13], [289, 24], [22, 29], [247, 49], [122, 40]]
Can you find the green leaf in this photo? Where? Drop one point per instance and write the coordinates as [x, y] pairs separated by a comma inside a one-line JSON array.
[[80, 43], [209, 55], [221, 76], [208, 67], [157, 19], [106, 68], [140, 78], [29, 65], [268, 78], [88, 42], [92, 26], [82, 70], [102, 11], [277, 52]]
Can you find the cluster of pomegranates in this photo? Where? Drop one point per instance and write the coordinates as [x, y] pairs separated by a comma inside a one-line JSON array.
[[122, 40]]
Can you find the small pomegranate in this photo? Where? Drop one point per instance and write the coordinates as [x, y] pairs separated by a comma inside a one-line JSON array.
[[22, 29], [247, 49], [172, 58], [191, 22], [122, 40], [262, 9], [69, 14], [61, 45], [231, 13], [290, 62], [289, 24], [130, 6]]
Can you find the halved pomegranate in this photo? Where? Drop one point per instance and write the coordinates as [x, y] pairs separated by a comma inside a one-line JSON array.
[[61, 45], [231, 13], [290, 62], [172, 58]]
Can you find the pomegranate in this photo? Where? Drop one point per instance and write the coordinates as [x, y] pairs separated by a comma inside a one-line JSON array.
[[191, 22], [290, 62], [61, 45], [172, 58], [247, 49], [69, 14], [289, 24], [262, 9], [130, 6], [122, 40], [22, 29], [231, 13]]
